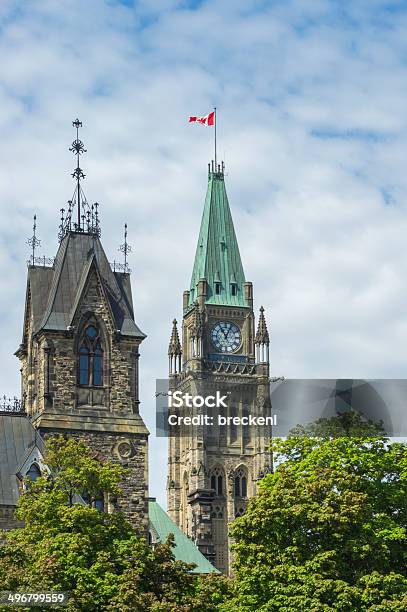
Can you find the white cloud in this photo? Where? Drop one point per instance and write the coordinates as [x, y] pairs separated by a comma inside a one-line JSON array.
[[311, 100]]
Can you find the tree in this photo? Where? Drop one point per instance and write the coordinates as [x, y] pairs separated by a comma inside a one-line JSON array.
[[327, 530], [104, 564], [348, 423]]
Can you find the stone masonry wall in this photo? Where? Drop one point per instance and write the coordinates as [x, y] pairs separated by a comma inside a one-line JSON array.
[[131, 453], [118, 397]]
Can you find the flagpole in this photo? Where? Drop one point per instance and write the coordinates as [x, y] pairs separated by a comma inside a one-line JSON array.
[[215, 141]]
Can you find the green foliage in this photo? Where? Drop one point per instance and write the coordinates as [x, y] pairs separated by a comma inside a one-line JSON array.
[[327, 530], [97, 557], [344, 424], [165, 585]]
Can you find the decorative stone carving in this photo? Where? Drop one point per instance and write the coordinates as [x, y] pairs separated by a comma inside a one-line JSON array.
[[125, 449]]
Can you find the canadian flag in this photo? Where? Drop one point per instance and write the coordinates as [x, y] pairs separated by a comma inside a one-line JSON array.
[[209, 119]]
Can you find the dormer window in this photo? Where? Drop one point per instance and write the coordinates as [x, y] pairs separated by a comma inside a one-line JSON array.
[[233, 284], [90, 371], [33, 473], [217, 285]]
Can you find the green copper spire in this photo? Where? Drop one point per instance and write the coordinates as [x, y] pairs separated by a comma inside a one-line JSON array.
[[217, 258]]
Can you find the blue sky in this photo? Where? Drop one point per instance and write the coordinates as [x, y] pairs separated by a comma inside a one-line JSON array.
[[311, 99]]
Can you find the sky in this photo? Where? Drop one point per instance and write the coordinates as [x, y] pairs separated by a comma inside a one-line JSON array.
[[312, 126]]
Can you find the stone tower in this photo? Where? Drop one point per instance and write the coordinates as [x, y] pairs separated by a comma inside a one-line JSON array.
[[213, 470], [80, 351]]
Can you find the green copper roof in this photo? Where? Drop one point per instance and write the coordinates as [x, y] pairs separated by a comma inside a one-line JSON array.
[[217, 257], [185, 550]]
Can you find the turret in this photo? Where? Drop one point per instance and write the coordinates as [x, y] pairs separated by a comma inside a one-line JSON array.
[[262, 340], [174, 351]]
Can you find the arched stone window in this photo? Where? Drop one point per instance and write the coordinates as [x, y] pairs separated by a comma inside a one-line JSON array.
[[217, 481], [90, 358], [241, 482]]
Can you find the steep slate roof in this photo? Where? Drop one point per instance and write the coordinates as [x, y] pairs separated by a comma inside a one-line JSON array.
[[17, 439], [217, 257], [55, 292], [185, 549]]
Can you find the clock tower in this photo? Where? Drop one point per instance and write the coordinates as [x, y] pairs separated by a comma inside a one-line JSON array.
[[213, 469]]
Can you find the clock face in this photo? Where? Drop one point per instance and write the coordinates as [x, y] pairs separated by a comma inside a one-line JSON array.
[[226, 337]]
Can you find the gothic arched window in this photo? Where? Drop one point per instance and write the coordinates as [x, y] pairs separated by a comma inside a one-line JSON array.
[[33, 473], [241, 483], [90, 371], [217, 481], [239, 511]]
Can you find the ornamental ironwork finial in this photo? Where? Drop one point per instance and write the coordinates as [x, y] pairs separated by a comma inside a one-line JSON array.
[[34, 242], [87, 219], [78, 149], [125, 248]]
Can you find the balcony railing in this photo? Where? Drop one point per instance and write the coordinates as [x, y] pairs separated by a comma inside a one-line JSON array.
[[120, 267], [45, 262], [11, 404]]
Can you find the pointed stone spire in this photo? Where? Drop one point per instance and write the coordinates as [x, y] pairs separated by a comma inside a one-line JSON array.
[[262, 340], [174, 351], [262, 336], [217, 257], [174, 347]]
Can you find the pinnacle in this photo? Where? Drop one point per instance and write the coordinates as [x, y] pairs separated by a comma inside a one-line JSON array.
[[196, 330], [262, 336], [174, 347]]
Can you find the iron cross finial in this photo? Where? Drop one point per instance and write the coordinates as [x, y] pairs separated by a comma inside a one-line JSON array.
[[78, 148], [34, 242], [87, 218], [125, 248]]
